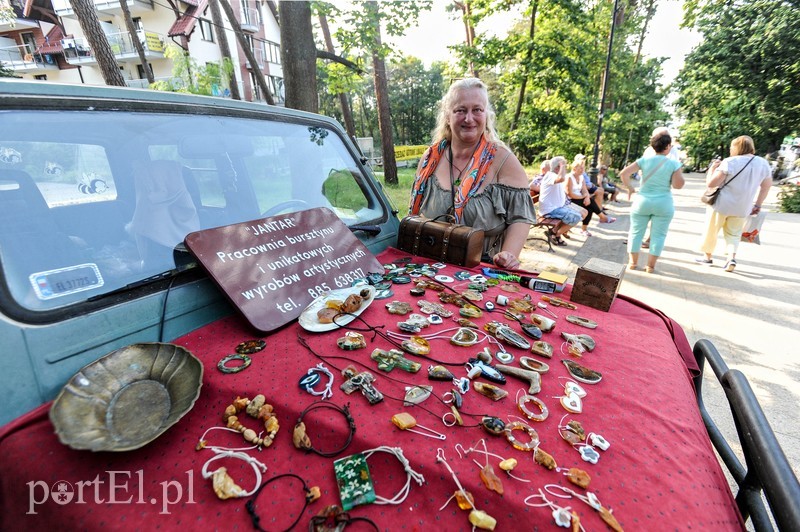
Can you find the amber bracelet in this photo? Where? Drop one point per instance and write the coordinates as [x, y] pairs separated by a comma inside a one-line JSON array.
[[311, 495], [301, 440]]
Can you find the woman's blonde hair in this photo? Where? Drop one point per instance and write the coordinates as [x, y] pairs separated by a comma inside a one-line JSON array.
[[442, 129], [742, 146]]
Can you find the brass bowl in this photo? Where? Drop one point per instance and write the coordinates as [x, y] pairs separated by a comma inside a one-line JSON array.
[[127, 398]]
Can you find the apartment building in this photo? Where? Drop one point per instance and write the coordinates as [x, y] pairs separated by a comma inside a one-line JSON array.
[[44, 41]]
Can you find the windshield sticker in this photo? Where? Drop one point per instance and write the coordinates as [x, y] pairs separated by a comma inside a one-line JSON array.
[[65, 281]]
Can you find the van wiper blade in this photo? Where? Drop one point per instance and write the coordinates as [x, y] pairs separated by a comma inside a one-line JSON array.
[[141, 282]]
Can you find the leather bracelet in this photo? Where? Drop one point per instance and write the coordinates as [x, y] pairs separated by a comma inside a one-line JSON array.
[[311, 495], [301, 440]]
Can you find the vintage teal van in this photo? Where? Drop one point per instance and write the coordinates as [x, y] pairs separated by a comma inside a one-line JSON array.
[[98, 188]]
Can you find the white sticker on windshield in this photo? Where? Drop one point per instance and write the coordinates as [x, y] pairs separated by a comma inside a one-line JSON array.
[[64, 281]]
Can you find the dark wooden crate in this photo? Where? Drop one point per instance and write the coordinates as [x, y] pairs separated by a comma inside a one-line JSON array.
[[597, 283]]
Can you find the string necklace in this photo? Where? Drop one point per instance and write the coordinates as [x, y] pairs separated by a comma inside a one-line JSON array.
[[456, 182]]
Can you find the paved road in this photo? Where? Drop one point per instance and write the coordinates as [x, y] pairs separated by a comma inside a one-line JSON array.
[[751, 315]]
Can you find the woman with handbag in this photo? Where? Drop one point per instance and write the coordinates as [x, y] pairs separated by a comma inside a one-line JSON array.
[[469, 173], [732, 185], [653, 205]]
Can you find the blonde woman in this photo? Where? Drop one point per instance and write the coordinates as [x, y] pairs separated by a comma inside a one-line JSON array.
[[471, 174], [741, 176]]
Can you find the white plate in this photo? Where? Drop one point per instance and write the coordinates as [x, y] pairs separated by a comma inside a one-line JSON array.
[[308, 318]]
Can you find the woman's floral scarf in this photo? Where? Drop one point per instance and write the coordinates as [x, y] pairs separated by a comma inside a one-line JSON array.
[[465, 187]]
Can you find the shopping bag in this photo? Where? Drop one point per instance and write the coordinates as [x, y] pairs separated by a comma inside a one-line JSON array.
[[752, 228]]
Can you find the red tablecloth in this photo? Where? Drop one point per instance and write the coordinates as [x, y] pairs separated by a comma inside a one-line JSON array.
[[660, 471]]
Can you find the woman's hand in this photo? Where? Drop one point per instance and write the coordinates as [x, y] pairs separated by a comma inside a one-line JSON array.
[[586, 201], [506, 259]]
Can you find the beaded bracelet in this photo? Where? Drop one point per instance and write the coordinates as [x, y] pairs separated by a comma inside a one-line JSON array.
[[312, 494], [301, 440], [258, 409]]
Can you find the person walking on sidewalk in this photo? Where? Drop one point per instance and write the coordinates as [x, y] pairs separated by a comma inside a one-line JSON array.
[[653, 205], [739, 178]]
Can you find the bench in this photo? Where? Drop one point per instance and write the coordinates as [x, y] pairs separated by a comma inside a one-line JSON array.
[[550, 225]]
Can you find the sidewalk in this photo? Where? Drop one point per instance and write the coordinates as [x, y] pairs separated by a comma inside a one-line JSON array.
[[751, 315]]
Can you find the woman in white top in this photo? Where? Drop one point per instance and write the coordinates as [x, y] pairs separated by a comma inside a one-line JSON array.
[[578, 194], [741, 175]]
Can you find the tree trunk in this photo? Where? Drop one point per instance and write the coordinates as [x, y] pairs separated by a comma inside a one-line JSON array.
[[126, 14], [298, 56], [651, 10], [382, 98], [469, 30], [526, 66], [224, 48], [87, 17], [248, 52], [347, 114]]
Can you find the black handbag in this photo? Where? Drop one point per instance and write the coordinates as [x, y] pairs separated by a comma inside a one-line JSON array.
[[711, 194]]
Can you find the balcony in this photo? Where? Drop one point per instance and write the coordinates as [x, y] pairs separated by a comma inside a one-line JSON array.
[[249, 22], [63, 8], [17, 24], [142, 83], [24, 58], [78, 52]]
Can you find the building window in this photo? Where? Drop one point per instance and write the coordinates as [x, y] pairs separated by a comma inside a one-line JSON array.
[[274, 52], [40, 77], [137, 23], [206, 30], [256, 89]]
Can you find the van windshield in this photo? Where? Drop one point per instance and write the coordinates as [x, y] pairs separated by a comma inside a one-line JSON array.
[[91, 202]]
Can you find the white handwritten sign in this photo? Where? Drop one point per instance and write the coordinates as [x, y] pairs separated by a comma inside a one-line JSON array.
[[272, 268]]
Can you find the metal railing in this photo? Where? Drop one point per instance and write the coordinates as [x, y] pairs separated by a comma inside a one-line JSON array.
[[25, 56], [77, 49], [250, 20]]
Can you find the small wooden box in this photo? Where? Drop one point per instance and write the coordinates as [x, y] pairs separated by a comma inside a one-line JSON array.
[[597, 283]]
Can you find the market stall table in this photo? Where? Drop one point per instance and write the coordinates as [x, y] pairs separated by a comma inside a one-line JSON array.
[[659, 471]]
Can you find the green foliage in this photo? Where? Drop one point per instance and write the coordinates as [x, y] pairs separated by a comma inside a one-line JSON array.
[[789, 199], [743, 78], [563, 69], [188, 77], [6, 72]]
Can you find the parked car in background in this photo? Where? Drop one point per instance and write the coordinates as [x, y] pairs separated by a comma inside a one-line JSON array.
[[98, 188]]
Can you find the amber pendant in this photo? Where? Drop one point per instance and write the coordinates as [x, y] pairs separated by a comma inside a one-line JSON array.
[[400, 308], [531, 330], [583, 322], [543, 322], [534, 365], [417, 394], [464, 337], [506, 334], [542, 348], [491, 391], [582, 373], [416, 345], [584, 339], [491, 480], [493, 425], [440, 373]]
